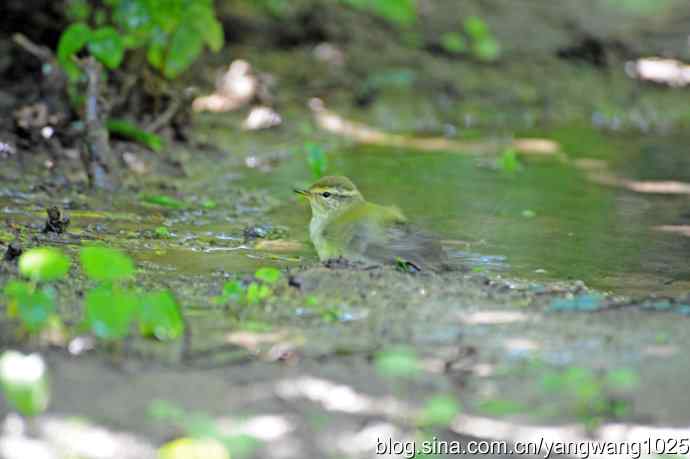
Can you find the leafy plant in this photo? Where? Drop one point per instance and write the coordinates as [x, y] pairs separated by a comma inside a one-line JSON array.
[[173, 33], [255, 291], [131, 131], [110, 307], [592, 394], [110, 311], [509, 162], [398, 362], [32, 303], [163, 201], [440, 410], [106, 264], [400, 12], [203, 436], [160, 316], [24, 382], [317, 160], [476, 38]]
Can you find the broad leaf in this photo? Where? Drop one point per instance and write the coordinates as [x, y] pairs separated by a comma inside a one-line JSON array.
[[160, 316], [185, 46], [268, 275], [109, 312], [44, 264], [107, 46], [71, 41], [105, 264]]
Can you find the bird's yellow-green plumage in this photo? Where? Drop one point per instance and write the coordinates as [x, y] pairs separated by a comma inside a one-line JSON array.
[[344, 224]]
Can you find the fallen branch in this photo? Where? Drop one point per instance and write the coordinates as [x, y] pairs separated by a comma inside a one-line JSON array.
[[164, 118]]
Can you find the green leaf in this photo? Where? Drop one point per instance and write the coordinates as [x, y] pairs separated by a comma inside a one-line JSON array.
[[487, 49], [453, 42], [24, 382], [440, 410], [207, 25], [105, 264], [109, 312], [131, 131], [133, 15], [499, 407], [157, 48], [268, 275], [476, 28], [35, 309], [401, 12], [398, 363], [160, 316], [257, 293], [317, 160], [78, 10], [71, 41], [185, 46], [622, 379], [162, 232], [188, 447], [15, 288], [233, 291], [509, 162], [162, 200], [44, 264], [107, 46]]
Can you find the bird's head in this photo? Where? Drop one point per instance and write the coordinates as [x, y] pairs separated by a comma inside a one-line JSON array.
[[331, 195]]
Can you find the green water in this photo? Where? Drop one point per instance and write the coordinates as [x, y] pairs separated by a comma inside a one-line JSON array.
[[546, 221]]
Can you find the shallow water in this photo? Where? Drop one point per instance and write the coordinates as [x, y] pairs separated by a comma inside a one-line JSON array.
[[546, 221]]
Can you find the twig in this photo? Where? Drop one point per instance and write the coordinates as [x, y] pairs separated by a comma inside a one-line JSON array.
[[41, 52], [165, 117]]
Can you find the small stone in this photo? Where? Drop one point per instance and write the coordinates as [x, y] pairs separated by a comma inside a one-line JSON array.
[[56, 223]]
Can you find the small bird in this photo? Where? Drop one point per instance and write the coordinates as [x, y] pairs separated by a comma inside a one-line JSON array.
[[345, 225]]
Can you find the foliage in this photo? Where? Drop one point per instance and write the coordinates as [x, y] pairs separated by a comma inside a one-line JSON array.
[[440, 410], [44, 264], [160, 316], [398, 362], [476, 38], [110, 311], [24, 382], [172, 33], [105, 264], [202, 435], [162, 232], [317, 160], [185, 448], [509, 162], [255, 292], [400, 12], [131, 131], [163, 201], [501, 407], [34, 304], [110, 308], [591, 394]]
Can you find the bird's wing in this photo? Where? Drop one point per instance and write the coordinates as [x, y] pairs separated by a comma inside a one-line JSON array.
[[389, 239]]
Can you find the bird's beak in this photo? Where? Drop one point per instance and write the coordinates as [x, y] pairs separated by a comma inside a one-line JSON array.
[[302, 192]]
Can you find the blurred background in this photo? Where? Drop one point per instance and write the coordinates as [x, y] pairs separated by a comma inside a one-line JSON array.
[[157, 274]]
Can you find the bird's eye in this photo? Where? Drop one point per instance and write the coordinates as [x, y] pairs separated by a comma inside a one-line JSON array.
[[326, 194]]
